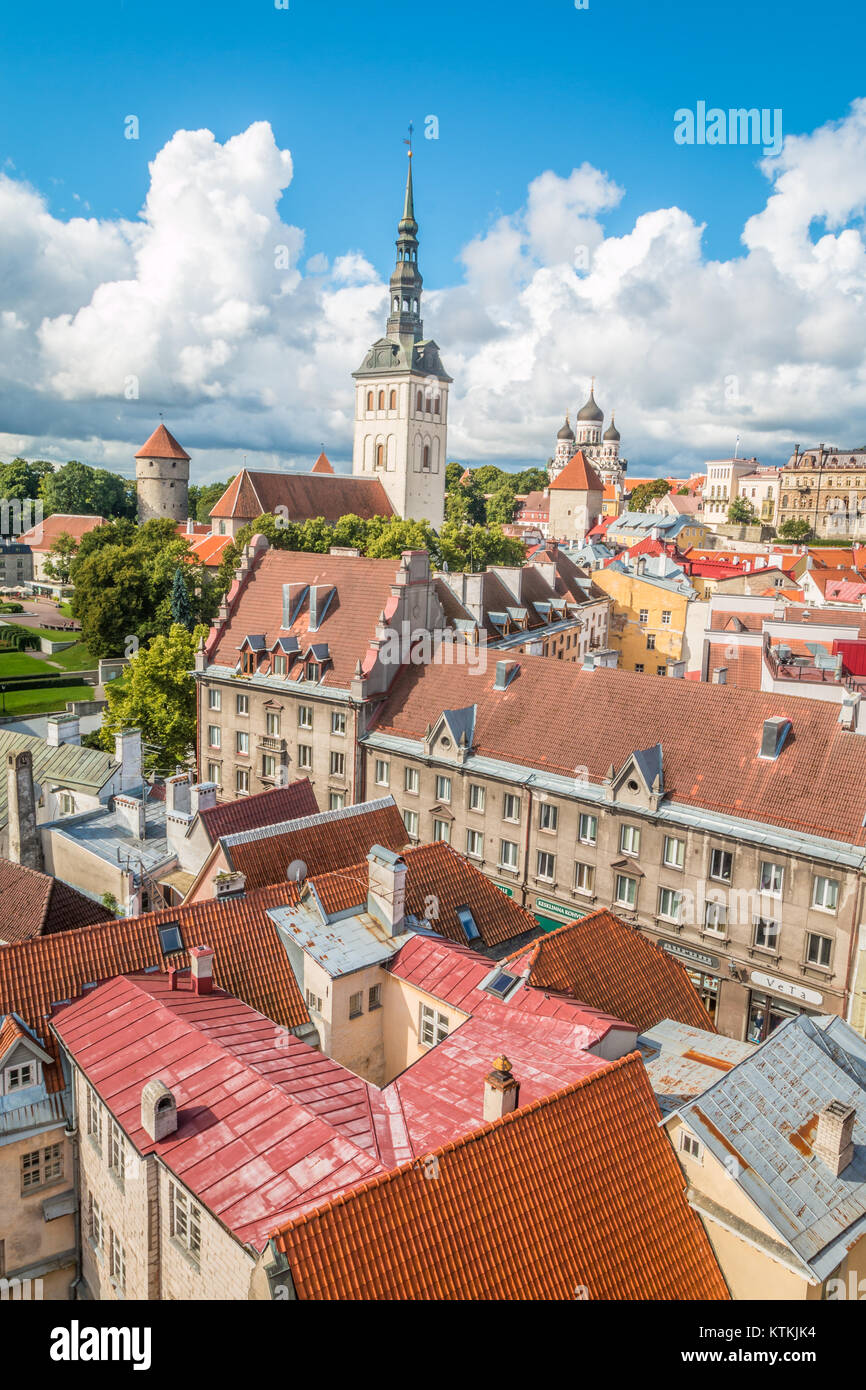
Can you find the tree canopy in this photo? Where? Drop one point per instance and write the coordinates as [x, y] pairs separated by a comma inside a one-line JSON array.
[[741, 511], [795, 530], [204, 496], [156, 694], [645, 493], [61, 553]]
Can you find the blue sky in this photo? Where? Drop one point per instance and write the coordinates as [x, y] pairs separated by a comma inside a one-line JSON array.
[[253, 365], [517, 88]]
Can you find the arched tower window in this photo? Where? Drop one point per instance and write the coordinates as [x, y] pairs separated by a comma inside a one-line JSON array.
[[436, 405], [393, 401], [369, 400], [419, 402], [425, 459], [381, 400], [380, 455]]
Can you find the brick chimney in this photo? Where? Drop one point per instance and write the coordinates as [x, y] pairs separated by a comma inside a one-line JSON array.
[[500, 1090], [158, 1110], [201, 968], [386, 891], [25, 841], [834, 1141], [127, 751]]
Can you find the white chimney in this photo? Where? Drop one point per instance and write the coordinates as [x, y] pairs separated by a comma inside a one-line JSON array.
[[177, 793], [834, 1141], [63, 728], [501, 1091], [386, 891], [203, 797], [201, 968], [130, 811], [127, 751], [229, 884], [720, 675], [158, 1110], [848, 714]]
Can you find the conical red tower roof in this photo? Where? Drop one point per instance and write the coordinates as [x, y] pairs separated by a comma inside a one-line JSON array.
[[162, 445]]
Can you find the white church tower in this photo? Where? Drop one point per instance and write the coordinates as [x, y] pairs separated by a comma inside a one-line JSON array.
[[401, 395]]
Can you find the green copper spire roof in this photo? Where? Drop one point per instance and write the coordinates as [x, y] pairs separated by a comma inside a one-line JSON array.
[[407, 221]]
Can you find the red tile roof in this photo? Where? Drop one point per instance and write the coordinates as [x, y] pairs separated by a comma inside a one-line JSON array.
[[579, 1190], [362, 591], [744, 664], [262, 808], [250, 961], [323, 464], [710, 735], [45, 533], [578, 475], [210, 549], [605, 963], [11, 1032], [35, 904], [305, 495], [162, 445]]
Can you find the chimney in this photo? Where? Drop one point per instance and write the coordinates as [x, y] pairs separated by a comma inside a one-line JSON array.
[[639, 564], [201, 966], [127, 751], [25, 841], [834, 1141], [158, 1110], [63, 728], [774, 733], [229, 884], [500, 1090], [130, 811], [677, 670], [386, 890], [203, 797], [848, 714], [177, 793], [505, 673], [720, 675]]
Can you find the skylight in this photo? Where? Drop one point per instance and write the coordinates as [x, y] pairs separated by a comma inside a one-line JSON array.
[[467, 922], [170, 938], [501, 983]]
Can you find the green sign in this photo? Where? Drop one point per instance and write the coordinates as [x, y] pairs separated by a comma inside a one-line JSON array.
[[550, 909]]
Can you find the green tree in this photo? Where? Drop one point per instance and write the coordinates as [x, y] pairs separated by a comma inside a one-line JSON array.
[[645, 493], [204, 496], [453, 474], [123, 532], [475, 547], [112, 600], [741, 512], [501, 504], [76, 489], [682, 492], [61, 553], [181, 608], [531, 480], [156, 694], [795, 530], [396, 535], [20, 479]]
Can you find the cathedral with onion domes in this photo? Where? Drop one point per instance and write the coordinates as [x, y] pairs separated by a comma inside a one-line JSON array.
[[600, 447]]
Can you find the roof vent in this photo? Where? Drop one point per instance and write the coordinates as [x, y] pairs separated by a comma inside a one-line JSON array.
[[720, 675], [834, 1141], [158, 1111], [848, 714], [773, 738], [505, 673]]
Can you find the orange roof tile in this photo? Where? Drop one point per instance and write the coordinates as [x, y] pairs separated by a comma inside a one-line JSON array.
[[11, 1032], [744, 664], [162, 445], [45, 533], [323, 464], [578, 475], [607, 964], [210, 549], [35, 904], [261, 809], [580, 1190], [304, 495]]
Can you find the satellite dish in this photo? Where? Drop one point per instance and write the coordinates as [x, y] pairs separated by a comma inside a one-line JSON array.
[[297, 871]]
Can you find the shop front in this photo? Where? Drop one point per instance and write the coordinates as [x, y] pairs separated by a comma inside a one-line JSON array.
[[703, 970], [549, 914], [773, 1001]]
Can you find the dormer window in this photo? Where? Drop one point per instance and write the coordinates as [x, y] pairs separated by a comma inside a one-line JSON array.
[[248, 663], [279, 665], [314, 671], [18, 1078]]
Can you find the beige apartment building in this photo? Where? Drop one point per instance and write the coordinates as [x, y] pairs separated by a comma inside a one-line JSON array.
[[727, 831]]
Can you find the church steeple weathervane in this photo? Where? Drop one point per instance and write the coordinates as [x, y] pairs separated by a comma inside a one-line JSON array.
[[404, 319]]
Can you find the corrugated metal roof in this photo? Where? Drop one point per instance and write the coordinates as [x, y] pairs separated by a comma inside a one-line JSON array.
[[105, 834], [82, 769], [764, 1113], [339, 945], [682, 1062]]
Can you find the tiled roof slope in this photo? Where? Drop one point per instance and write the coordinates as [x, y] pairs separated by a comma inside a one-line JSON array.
[[578, 475], [35, 904], [325, 841], [305, 495], [43, 535], [363, 591], [579, 1190], [68, 765], [710, 735], [249, 960], [607, 964], [162, 445], [438, 880], [263, 808]]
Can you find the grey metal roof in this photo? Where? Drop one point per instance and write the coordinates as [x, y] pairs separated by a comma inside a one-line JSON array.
[[105, 834], [341, 943], [460, 722], [80, 769], [764, 1112], [681, 1062], [331, 819], [649, 761]]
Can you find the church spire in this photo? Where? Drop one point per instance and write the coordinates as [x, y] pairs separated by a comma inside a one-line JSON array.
[[404, 319]]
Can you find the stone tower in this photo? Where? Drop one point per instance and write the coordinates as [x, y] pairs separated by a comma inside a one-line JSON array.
[[25, 841], [162, 478], [401, 394]]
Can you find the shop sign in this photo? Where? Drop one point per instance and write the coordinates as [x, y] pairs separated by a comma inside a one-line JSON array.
[[686, 952], [806, 996], [567, 914]]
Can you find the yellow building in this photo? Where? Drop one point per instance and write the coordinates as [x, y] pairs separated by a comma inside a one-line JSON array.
[[650, 596], [631, 527]]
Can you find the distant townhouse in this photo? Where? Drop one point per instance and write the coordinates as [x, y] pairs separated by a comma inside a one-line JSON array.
[[826, 487], [651, 596], [726, 824], [723, 486], [631, 527], [40, 538]]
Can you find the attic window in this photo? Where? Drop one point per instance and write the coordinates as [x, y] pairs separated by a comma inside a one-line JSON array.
[[170, 938], [467, 922], [314, 671], [19, 1077], [501, 984], [632, 785], [248, 663]]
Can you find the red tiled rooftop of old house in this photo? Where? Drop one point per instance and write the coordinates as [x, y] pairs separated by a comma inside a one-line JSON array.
[[45, 533], [607, 964], [744, 665], [262, 808], [35, 904], [578, 475], [710, 735], [210, 549], [362, 591], [305, 495], [579, 1189], [162, 445], [323, 464], [11, 1032]]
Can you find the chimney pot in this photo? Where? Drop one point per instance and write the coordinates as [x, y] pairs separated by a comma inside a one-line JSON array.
[[386, 890], [201, 968], [720, 675], [158, 1110], [501, 1090]]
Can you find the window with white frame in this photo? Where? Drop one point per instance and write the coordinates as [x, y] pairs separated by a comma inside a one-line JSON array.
[[432, 1026], [305, 755], [41, 1167], [411, 780], [584, 878], [214, 699], [214, 773], [721, 865], [674, 852], [716, 918], [443, 789], [383, 772], [314, 1002], [94, 1118], [666, 617], [305, 716], [511, 807], [242, 742], [269, 765], [477, 796], [629, 839], [643, 615], [116, 1152], [626, 890], [670, 904], [691, 1146], [67, 803], [272, 723], [117, 1262], [25, 1074], [214, 736], [474, 844], [338, 722], [766, 936], [243, 704], [588, 829], [411, 822], [548, 816], [442, 831], [242, 779], [545, 865], [508, 852], [279, 665], [96, 1228], [818, 949], [336, 801], [825, 893], [338, 764], [770, 880], [185, 1221]]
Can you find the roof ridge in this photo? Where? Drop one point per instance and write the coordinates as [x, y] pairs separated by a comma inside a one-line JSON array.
[[266, 832]]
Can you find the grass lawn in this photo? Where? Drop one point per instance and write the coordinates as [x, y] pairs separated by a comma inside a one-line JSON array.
[[75, 658], [65, 609], [43, 701], [19, 664]]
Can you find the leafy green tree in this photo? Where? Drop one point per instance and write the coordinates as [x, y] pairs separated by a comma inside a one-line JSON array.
[[204, 496], [531, 480], [798, 530], [741, 511], [500, 506], [61, 553], [475, 547], [76, 489], [453, 474], [682, 492], [488, 477], [351, 530], [465, 504], [20, 479], [123, 532], [181, 608], [156, 694], [113, 600], [397, 535], [645, 493]]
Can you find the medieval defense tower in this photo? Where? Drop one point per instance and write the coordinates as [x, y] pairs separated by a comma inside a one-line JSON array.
[[162, 478]]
